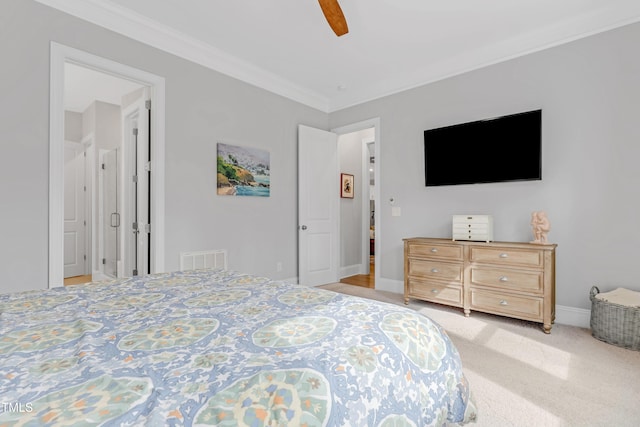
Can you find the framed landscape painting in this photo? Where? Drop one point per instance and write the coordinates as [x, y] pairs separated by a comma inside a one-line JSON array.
[[243, 171]]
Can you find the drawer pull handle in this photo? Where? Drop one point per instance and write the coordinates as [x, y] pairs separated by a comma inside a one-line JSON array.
[[504, 255], [435, 270], [504, 302], [434, 291], [434, 250], [504, 279]]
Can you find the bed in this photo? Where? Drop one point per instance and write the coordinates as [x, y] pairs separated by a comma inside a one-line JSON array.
[[218, 347]]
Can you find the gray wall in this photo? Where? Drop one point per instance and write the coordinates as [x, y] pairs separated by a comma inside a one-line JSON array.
[[107, 125], [72, 126], [589, 93], [350, 155], [202, 107]]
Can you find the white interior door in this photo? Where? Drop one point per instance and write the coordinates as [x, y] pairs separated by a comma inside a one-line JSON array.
[[318, 206], [74, 210], [136, 244]]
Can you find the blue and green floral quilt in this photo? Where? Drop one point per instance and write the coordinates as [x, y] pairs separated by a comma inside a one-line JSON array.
[[217, 347]]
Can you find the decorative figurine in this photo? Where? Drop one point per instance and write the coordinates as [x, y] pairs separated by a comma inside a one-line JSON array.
[[541, 226]]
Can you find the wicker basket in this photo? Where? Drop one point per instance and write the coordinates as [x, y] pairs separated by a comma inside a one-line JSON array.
[[614, 323]]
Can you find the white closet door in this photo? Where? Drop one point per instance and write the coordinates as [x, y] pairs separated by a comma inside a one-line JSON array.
[[74, 210]]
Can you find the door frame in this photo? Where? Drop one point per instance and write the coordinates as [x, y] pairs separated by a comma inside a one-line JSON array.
[[90, 149], [59, 55], [355, 127]]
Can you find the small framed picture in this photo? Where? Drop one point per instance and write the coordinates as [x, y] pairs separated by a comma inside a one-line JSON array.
[[346, 186]]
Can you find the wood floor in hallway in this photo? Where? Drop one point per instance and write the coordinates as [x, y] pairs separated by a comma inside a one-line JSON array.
[[77, 280], [364, 280]]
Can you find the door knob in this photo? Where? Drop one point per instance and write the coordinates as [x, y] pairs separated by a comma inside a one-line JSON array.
[[304, 227]]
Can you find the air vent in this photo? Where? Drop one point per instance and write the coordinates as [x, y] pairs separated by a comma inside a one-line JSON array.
[[203, 259]]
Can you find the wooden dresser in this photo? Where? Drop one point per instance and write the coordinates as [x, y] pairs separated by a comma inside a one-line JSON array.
[[509, 279]]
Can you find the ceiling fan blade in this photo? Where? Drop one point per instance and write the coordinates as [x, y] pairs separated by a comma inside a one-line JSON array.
[[335, 17]]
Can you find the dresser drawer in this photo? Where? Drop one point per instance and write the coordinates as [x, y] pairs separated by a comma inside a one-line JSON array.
[[435, 292], [436, 270], [452, 252], [518, 306], [506, 256], [505, 279]]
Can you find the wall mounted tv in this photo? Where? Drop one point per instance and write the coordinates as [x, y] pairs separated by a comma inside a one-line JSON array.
[[505, 148]]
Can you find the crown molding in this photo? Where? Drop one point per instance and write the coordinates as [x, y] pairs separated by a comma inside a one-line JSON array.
[[124, 21], [138, 27], [609, 17]]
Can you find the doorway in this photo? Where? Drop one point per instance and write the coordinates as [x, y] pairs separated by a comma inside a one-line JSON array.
[[322, 241], [96, 106], [357, 228], [105, 214]]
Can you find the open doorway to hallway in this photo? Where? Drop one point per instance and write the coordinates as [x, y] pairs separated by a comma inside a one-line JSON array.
[[60, 56], [335, 233], [356, 152], [95, 141]]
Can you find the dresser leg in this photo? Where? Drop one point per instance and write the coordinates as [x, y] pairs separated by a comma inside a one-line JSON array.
[[547, 328], [467, 312], [406, 301]]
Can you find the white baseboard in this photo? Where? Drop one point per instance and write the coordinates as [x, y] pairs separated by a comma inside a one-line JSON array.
[[564, 315], [390, 285], [573, 316], [351, 270], [97, 275]]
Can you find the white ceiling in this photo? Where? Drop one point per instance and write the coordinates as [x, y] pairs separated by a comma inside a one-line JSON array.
[[82, 86], [287, 47]]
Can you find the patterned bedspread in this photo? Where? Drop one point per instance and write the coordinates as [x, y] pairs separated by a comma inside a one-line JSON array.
[[216, 347]]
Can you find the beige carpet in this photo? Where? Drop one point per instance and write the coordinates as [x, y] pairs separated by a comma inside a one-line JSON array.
[[522, 377]]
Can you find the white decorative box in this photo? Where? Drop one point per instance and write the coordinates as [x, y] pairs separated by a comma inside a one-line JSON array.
[[473, 227]]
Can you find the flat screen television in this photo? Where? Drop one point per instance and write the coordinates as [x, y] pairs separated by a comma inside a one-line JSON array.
[[505, 148]]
